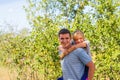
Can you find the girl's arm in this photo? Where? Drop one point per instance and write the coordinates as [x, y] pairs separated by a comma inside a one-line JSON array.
[[81, 45], [66, 52], [63, 51]]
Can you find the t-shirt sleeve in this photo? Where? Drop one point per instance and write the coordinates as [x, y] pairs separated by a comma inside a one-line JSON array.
[[83, 56], [59, 52]]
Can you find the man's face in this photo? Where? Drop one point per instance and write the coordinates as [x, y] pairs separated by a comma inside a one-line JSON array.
[[64, 39]]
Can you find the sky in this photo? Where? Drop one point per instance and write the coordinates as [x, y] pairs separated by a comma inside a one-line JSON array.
[[13, 14]]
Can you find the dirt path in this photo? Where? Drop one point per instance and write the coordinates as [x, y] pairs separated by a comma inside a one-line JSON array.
[[5, 74]]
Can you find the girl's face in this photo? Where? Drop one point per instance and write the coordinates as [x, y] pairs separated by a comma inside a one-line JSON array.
[[78, 39]]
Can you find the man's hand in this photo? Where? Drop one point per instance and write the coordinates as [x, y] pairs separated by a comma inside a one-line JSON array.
[[91, 71]]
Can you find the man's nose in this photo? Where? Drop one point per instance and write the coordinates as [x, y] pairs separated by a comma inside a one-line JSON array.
[[65, 40]]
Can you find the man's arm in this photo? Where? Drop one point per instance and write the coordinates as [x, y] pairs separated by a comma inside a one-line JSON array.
[[86, 59], [91, 71]]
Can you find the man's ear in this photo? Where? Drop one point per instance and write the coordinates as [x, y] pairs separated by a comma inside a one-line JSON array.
[[58, 38]]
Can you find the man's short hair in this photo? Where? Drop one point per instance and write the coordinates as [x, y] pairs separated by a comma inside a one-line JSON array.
[[64, 31]]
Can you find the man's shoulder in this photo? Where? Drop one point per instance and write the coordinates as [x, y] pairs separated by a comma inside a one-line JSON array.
[[82, 54]]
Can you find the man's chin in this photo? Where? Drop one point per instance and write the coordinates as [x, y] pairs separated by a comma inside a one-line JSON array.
[[66, 46], [63, 45]]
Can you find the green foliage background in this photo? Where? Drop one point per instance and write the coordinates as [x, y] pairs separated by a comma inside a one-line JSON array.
[[35, 57]]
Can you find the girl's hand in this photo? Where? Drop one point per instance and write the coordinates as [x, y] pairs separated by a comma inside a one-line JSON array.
[[61, 48]]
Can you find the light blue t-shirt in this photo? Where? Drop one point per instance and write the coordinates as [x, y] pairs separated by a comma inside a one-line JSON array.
[[73, 65]]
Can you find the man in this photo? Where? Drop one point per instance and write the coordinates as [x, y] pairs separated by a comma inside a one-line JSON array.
[[73, 65]]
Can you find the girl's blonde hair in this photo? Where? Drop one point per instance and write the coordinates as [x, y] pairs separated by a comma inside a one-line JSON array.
[[78, 32]]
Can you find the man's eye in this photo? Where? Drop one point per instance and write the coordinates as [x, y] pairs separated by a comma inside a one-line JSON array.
[[61, 38]]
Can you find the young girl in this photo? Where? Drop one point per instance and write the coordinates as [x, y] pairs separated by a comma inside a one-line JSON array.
[[78, 42]]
